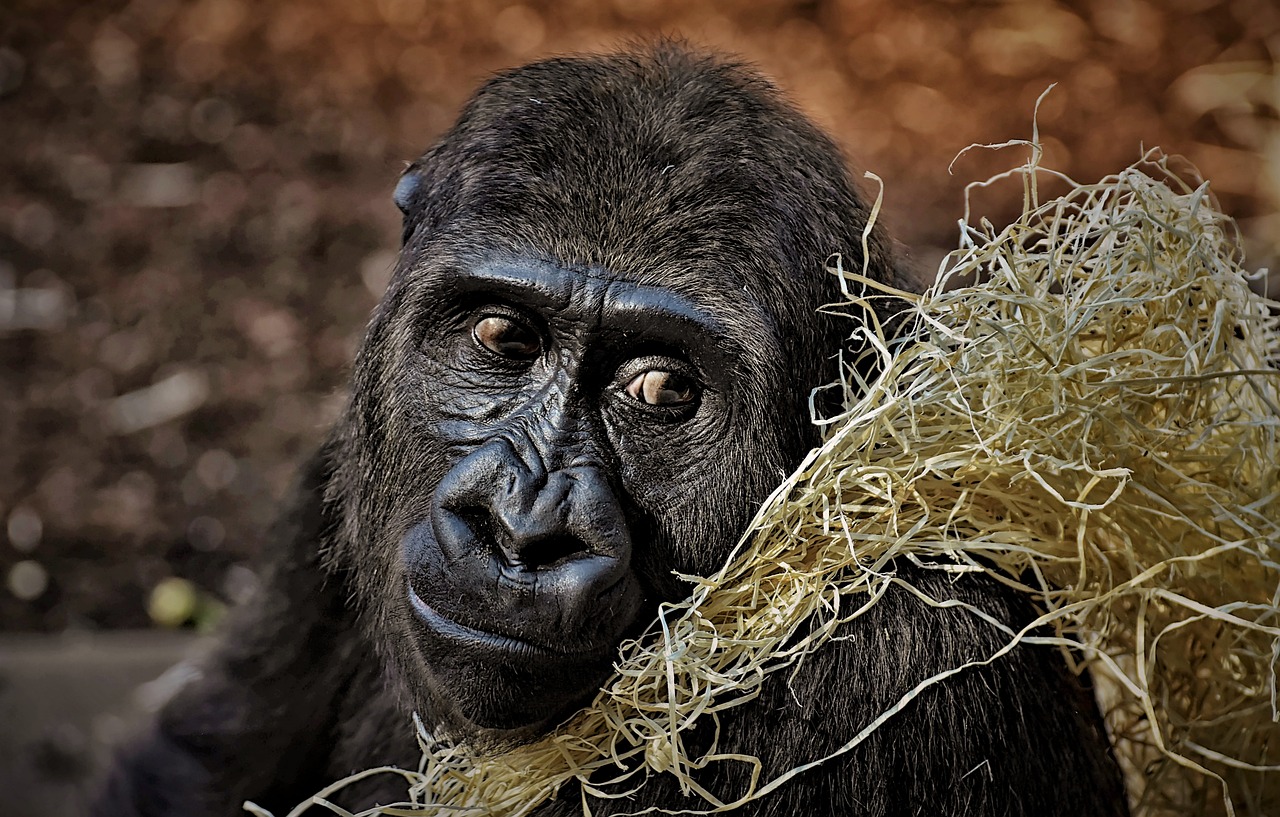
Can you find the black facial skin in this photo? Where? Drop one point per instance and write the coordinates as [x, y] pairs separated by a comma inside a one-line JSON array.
[[593, 362], [561, 396]]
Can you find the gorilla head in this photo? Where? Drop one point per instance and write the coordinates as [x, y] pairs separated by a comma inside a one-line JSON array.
[[592, 363]]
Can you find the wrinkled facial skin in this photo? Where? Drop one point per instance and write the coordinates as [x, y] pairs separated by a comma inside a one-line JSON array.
[[572, 408]]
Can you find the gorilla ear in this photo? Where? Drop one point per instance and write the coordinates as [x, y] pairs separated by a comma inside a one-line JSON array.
[[408, 198], [407, 189]]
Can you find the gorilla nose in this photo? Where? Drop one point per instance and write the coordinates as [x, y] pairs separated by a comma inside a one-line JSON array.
[[534, 519], [520, 551], [572, 514]]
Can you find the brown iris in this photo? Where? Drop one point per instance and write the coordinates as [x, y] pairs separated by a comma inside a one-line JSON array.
[[658, 388], [509, 338]]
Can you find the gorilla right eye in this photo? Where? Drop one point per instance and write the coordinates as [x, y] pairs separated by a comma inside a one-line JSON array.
[[507, 337], [659, 388]]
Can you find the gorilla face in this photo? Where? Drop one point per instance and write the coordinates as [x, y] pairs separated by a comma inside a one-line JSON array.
[[571, 402], [591, 365], [585, 422]]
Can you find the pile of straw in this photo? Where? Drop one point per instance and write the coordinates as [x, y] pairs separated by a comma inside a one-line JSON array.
[[1097, 422]]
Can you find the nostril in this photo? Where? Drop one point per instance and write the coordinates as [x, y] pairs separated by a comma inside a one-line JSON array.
[[478, 522], [548, 550], [526, 549]]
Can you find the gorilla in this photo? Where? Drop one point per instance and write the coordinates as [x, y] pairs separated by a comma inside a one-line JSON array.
[[593, 362]]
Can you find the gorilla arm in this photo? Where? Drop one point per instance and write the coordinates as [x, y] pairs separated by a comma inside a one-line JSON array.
[[252, 724]]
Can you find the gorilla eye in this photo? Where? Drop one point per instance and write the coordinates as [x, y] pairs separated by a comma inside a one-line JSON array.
[[507, 337], [659, 388]]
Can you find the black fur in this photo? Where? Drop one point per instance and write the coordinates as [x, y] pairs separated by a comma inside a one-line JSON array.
[[622, 187]]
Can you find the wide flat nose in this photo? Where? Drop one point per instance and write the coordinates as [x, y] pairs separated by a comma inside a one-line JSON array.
[[534, 519], [537, 522], [527, 553]]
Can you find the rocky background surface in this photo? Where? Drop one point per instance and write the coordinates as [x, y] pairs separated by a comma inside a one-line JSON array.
[[195, 216]]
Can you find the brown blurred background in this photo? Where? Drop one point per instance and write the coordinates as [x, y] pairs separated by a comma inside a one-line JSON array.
[[195, 217]]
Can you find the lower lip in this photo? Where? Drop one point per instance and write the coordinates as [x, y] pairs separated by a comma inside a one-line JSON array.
[[451, 629]]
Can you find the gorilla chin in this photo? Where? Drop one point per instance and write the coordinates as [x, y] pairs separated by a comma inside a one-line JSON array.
[[525, 645]]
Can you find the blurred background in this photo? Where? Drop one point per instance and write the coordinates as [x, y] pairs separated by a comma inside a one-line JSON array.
[[195, 220]]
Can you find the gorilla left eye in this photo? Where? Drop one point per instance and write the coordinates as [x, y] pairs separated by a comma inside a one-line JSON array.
[[658, 388], [507, 337]]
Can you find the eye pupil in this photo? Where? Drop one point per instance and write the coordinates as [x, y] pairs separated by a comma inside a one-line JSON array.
[[659, 388], [506, 337]]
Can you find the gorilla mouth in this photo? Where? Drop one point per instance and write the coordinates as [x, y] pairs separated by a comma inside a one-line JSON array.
[[516, 626], [500, 681], [462, 634]]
